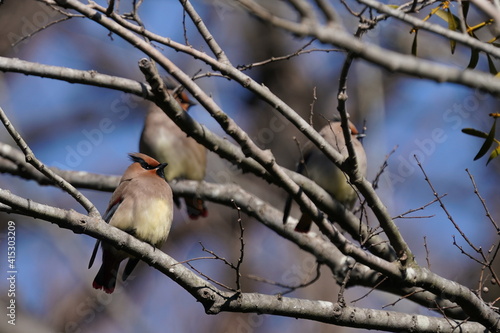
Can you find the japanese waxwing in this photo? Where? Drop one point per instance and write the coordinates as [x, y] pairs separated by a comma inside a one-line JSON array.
[[142, 206], [326, 174], [162, 139]]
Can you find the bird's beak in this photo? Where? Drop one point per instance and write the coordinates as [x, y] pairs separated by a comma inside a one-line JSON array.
[[160, 170]]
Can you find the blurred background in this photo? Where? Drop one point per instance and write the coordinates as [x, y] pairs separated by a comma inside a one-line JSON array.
[[417, 116]]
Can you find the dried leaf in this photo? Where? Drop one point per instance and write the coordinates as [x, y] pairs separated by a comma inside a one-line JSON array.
[[494, 154]]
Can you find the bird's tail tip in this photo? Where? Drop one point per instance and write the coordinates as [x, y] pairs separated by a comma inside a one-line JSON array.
[[107, 290], [196, 208]]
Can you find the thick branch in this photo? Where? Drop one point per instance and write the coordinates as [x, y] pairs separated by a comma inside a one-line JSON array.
[[202, 134], [74, 76], [227, 195], [266, 159], [232, 129], [215, 300]]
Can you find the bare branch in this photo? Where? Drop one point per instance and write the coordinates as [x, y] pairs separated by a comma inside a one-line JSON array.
[[389, 60], [485, 207], [205, 33], [442, 31], [213, 299], [35, 162], [490, 10], [74, 76], [443, 207], [413, 210], [328, 11], [242, 247]]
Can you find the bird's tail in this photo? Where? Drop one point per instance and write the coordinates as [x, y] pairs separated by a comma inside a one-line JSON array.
[[106, 277], [196, 208], [304, 224]]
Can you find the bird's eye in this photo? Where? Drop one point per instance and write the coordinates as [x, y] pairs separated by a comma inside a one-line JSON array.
[[146, 166]]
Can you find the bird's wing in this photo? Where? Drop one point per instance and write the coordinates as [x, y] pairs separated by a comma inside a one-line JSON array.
[[289, 200], [113, 206], [131, 263]]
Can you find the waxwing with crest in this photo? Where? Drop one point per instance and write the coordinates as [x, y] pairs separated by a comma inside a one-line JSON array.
[[325, 173], [142, 206]]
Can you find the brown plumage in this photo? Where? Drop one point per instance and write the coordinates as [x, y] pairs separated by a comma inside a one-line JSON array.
[[141, 205], [162, 139], [326, 174]]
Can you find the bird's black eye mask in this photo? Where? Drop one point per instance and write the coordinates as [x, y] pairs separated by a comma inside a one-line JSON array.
[[159, 168], [143, 163]]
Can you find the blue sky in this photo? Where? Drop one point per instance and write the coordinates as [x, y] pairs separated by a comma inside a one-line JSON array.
[[419, 116]]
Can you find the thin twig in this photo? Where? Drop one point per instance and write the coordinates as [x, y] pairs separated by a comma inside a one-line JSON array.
[[311, 113], [22, 39], [427, 253], [31, 159], [216, 256], [195, 259], [340, 296], [370, 291], [467, 254], [184, 28], [210, 279], [403, 215], [205, 33], [287, 57], [242, 247], [443, 313], [416, 291], [443, 207], [134, 16], [382, 168], [483, 202], [290, 288], [328, 11]]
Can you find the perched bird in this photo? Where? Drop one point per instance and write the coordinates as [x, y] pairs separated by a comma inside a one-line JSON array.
[[325, 173], [142, 206], [162, 139]]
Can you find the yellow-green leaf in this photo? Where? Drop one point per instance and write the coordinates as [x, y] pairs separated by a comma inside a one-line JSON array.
[[488, 142], [453, 24], [494, 154], [446, 16]]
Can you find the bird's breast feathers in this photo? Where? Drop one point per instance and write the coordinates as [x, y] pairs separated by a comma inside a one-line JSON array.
[[150, 218]]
